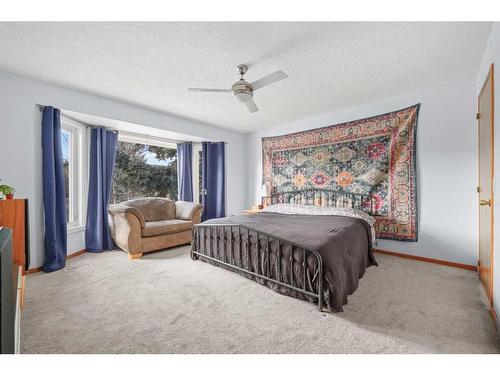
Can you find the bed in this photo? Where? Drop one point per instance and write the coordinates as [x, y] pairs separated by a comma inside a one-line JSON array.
[[309, 244]]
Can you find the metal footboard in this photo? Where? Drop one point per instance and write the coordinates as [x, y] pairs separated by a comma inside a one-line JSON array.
[[230, 235]]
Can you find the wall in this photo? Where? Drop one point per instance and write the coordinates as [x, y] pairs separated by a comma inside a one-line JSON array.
[[20, 150], [446, 167], [492, 55]]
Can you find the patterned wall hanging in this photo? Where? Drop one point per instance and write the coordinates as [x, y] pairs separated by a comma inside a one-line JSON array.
[[375, 156]]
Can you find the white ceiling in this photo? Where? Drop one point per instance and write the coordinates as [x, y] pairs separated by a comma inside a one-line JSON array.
[[330, 65]]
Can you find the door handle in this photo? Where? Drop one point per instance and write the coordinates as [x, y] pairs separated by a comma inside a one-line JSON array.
[[485, 202]]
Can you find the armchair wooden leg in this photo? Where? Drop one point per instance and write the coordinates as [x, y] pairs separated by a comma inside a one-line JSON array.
[[134, 256]]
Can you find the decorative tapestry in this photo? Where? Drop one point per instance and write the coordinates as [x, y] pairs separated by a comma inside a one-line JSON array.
[[375, 156]]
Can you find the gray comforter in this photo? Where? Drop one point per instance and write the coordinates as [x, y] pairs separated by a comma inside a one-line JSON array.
[[344, 244]]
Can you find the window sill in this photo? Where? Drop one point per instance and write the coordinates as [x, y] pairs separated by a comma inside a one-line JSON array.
[[75, 229]]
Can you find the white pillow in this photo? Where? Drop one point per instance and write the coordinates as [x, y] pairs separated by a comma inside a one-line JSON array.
[[302, 209]]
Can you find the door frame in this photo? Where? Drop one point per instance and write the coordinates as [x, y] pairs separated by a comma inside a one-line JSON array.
[[489, 76]]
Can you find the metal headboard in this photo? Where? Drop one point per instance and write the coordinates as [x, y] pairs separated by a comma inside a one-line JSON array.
[[325, 198]]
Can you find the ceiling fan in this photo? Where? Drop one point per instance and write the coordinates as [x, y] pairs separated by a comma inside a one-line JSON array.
[[243, 91]]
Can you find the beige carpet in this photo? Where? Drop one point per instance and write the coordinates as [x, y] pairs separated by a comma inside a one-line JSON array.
[[167, 303]]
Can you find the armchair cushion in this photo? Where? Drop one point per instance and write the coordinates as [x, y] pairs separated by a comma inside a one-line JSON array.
[[185, 210], [162, 227], [153, 209], [122, 209]]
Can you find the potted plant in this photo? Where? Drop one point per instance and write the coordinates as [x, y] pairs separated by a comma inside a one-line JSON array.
[[8, 191]]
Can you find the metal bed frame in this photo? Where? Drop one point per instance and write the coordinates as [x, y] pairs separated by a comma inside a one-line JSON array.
[[325, 198], [230, 234]]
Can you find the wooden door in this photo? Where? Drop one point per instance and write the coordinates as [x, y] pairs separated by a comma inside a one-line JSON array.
[[485, 188]]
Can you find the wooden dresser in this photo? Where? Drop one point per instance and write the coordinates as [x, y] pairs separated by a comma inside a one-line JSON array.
[[13, 215]]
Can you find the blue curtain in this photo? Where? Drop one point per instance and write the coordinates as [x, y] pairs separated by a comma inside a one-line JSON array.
[[213, 180], [102, 164], [54, 205], [185, 171]]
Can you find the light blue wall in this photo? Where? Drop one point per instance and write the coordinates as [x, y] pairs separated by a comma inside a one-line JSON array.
[[20, 150], [446, 166]]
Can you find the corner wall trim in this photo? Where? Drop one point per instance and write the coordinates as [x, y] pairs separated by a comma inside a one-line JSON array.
[[494, 316], [428, 260], [38, 269]]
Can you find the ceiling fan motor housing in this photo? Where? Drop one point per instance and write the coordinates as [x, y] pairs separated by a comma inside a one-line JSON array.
[[242, 91]]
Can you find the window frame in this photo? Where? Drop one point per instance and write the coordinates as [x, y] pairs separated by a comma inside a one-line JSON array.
[[146, 140], [196, 171], [155, 141], [77, 173]]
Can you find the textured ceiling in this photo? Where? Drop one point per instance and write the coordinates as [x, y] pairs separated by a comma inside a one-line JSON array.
[[330, 65]]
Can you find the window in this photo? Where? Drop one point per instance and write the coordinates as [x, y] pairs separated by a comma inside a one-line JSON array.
[[72, 141], [66, 144], [197, 184], [144, 168]]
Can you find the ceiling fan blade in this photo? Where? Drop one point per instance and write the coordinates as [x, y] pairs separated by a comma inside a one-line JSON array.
[[208, 90], [267, 80], [252, 107]]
